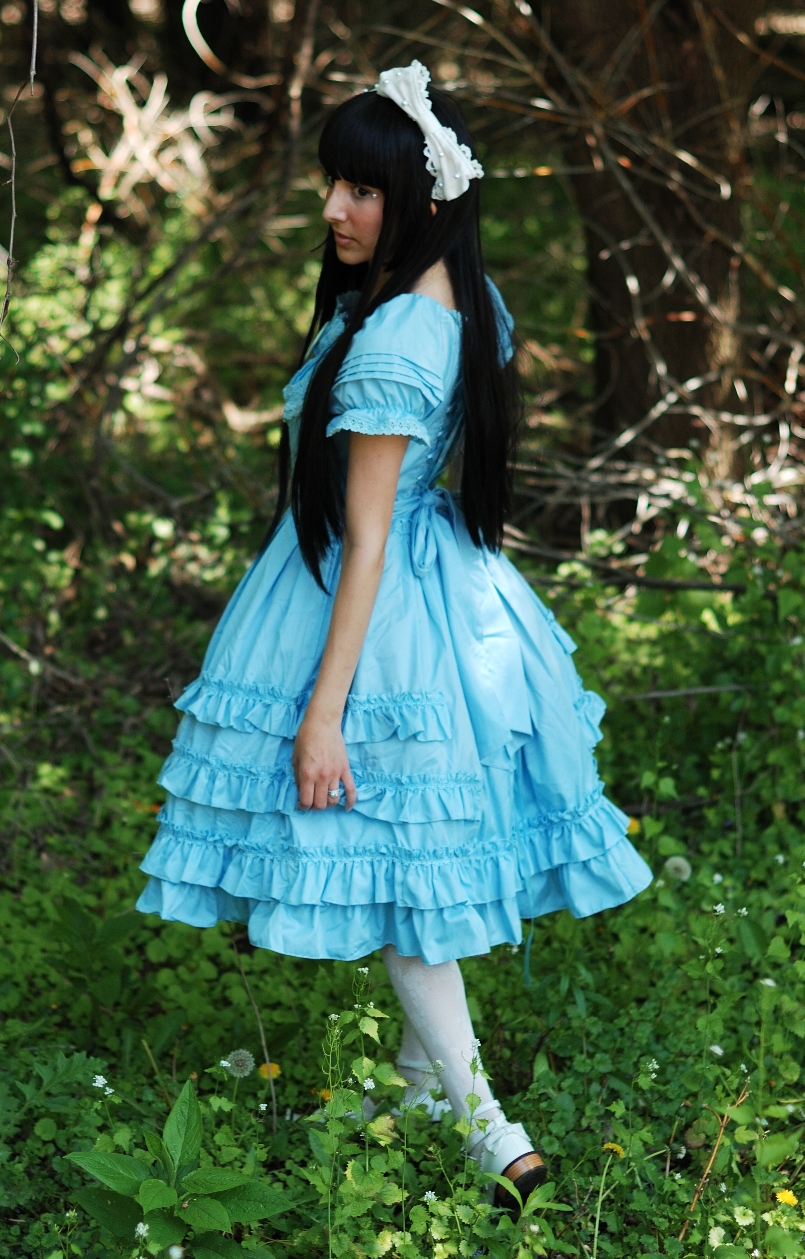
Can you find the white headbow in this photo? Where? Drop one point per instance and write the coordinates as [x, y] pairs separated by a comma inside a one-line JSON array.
[[451, 163]]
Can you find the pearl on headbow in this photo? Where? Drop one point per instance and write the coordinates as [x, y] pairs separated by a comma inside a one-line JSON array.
[[445, 159]]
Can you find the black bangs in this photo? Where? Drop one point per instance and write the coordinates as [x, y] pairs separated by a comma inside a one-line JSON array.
[[366, 141]]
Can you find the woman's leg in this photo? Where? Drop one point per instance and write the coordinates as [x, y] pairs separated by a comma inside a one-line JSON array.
[[435, 1006]]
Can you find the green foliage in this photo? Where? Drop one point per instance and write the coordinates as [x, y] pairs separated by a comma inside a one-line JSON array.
[[621, 1042]]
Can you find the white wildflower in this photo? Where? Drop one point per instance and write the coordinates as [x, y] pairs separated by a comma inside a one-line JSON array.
[[175, 1252], [715, 1237], [779, 858], [363, 970], [743, 911], [768, 983], [744, 1216], [141, 1230], [723, 1187], [99, 1081], [438, 1065], [107, 1092], [263, 1107], [515, 948], [677, 1175], [755, 1254], [718, 878], [534, 1228], [719, 951], [718, 909], [719, 1053], [475, 1043], [224, 1062], [333, 1018], [744, 1068], [368, 1084], [678, 868], [429, 1196], [71, 1215]]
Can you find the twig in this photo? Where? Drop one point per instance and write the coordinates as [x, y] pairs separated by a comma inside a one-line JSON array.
[[10, 262], [687, 690], [37, 666], [262, 1035], [170, 1100], [723, 1120]]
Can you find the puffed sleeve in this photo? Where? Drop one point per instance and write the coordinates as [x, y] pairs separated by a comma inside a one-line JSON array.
[[393, 378]]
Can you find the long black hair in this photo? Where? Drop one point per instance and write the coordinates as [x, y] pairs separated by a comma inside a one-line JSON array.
[[371, 141]]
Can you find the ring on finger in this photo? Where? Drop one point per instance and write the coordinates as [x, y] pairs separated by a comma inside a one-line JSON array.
[[334, 793]]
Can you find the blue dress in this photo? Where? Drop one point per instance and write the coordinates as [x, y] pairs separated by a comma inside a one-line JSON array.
[[468, 732]]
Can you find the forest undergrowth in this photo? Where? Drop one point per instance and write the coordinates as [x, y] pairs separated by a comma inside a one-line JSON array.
[[654, 1052]]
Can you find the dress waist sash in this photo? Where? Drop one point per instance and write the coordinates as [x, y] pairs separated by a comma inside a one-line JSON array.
[[415, 512]]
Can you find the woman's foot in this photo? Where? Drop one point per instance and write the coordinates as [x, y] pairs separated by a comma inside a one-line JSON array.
[[505, 1149]]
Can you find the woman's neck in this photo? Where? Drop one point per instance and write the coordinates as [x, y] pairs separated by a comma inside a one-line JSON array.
[[435, 283]]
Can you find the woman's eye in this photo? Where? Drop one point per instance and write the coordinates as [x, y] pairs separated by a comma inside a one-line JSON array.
[[362, 193]]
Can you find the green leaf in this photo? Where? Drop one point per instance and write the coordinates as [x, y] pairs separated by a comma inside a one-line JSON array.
[[205, 1213], [253, 1201], [155, 1194], [156, 1146], [116, 1171], [45, 1129], [775, 1149], [508, 1186], [742, 1114], [778, 949], [369, 1027], [210, 1246], [729, 1252], [182, 1132], [164, 1230], [212, 1180], [387, 1073], [114, 1212], [362, 1068], [783, 1245]]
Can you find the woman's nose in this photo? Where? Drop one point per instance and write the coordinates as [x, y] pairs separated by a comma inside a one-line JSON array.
[[334, 211]]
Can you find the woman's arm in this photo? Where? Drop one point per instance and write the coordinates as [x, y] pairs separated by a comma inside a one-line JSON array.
[[320, 755]]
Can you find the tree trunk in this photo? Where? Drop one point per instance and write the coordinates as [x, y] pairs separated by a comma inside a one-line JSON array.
[[689, 78]]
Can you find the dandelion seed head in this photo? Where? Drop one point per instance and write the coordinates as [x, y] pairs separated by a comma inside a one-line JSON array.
[[99, 1081], [678, 868], [240, 1063], [717, 1050]]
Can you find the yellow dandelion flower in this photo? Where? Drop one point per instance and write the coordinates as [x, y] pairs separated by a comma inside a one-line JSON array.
[[786, 1196], [325, 1094], [634, 826], [276, 1070], [615, 1148]]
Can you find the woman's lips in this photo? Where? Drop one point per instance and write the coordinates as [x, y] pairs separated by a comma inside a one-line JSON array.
[[342, 240]]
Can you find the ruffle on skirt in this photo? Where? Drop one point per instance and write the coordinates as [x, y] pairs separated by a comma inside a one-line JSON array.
[[470, 739]]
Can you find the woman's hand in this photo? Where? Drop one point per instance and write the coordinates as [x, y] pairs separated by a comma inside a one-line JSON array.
[[321, 765]]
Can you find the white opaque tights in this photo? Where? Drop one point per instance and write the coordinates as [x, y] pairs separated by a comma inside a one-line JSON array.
[[438, 1029]]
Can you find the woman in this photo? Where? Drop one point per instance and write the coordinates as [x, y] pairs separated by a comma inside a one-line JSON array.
[[388, 746]]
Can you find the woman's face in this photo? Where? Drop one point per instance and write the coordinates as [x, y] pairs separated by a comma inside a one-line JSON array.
[[355, 213]]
